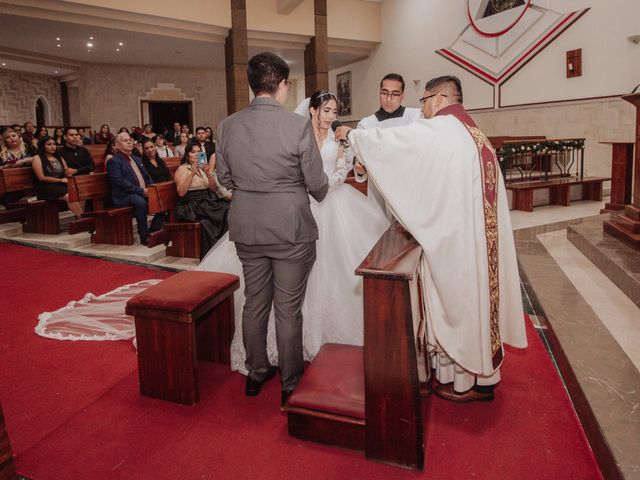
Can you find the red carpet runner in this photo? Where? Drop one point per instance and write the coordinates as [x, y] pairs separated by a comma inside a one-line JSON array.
[[73, 409]]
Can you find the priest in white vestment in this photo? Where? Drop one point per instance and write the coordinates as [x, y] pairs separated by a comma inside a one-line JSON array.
[[441, 179]]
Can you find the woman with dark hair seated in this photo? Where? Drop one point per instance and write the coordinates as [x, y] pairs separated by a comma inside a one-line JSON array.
[[104, 136], [41, 132], [197, 187], [110, 151], [156, 168], [49, 168], [58, 136]]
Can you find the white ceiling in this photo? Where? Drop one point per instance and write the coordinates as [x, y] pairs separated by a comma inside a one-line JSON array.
[[19, 51]]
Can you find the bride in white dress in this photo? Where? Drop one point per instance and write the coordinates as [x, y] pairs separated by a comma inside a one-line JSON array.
[[348, 226]]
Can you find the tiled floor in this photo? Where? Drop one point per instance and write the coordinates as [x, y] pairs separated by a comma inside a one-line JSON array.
[[614, 309]]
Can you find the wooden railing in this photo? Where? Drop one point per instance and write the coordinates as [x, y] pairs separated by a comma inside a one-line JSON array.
[[535, 160]]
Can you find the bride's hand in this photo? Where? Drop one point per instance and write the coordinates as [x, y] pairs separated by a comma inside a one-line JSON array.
[[359, 168]]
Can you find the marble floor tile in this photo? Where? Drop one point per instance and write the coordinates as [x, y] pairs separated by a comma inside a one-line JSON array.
[[614, 309], [552, 213]]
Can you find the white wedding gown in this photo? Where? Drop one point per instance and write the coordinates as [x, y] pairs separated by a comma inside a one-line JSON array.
[[349, 226]]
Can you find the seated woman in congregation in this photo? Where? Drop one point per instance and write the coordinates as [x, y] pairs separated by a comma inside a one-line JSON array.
[[14, 152], [49, 168], [161, 146], [202, 199], [147, 131], [104, 136], [178, 150], [156, 168], [110, 151], [58, 136], [40, 133]]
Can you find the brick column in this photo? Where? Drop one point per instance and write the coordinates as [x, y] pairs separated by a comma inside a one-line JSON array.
[[236, 58], [316, 54]]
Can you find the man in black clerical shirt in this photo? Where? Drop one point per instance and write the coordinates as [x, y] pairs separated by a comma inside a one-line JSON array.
[[78, 158], [391, 113]]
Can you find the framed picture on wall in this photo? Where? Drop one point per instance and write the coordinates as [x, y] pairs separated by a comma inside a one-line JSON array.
[[343, 86]]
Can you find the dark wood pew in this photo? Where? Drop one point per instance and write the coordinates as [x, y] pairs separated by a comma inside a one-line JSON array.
[[97, 152], [559, 189], [181, 239], [368, 398], [107, 225], [172, 163], [37, 216]]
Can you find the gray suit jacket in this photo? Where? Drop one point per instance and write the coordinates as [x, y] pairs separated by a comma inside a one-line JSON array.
[[269, 157]]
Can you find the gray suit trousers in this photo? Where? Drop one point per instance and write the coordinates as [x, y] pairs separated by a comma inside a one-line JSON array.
[[275, 274]]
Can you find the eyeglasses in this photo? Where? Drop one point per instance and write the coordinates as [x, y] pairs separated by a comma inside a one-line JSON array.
[[387, 93], [424, 99]]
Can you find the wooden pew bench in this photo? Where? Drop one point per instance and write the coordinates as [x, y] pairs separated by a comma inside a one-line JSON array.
[[186, 317], [182, 238], [37, 216], [559, 189], [107, 225]]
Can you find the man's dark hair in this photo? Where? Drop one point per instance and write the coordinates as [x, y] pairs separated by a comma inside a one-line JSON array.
[[265, 71], [66, 130], [199, 128], [393, 76], [445, 80]]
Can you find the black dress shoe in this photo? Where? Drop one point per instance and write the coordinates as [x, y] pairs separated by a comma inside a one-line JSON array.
[[284, 397], [252, 387]]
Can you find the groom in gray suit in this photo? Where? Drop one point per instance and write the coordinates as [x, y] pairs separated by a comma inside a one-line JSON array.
[[270, 160]]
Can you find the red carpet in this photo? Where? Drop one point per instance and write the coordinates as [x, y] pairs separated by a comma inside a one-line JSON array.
[[73, 409]]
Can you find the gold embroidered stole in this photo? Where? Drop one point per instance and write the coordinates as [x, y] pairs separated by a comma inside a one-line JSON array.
[[489, 171]]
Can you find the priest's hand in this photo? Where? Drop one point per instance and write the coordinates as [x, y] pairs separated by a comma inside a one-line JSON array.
[[341, 133]]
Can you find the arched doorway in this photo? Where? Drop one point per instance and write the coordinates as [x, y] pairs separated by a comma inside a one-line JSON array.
[[42, 112]]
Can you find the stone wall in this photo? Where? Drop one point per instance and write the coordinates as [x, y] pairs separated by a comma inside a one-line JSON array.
[[19, 92], [111, 94]]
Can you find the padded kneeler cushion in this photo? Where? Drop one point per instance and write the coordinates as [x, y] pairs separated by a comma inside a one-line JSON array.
[[185, 291], [333, 383]]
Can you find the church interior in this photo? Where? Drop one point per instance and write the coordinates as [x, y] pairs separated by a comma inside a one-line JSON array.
[[553, 85]]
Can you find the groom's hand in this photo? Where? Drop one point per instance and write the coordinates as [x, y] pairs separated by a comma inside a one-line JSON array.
[[341, 133]]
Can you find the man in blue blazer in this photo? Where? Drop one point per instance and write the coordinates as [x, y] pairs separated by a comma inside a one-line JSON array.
[[129, 180]]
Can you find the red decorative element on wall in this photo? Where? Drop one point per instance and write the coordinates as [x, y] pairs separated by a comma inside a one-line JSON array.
[[499, 33]]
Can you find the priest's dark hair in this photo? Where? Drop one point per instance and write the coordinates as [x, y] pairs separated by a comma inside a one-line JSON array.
[[447, 81], [393, 76], [265, 71]]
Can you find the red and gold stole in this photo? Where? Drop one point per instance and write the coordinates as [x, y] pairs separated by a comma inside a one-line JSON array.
[[489, 169]]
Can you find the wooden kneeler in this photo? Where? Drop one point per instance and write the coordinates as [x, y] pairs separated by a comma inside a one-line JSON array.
[[369, 398], [185, 318]]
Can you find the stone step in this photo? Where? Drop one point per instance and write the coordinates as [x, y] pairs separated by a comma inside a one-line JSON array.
[[9, 230]]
